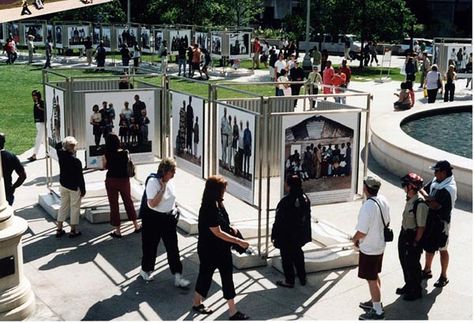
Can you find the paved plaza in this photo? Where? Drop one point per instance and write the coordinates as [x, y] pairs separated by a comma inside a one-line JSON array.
[[95, 277]]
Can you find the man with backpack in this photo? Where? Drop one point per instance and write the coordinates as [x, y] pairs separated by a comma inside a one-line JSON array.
[[409, 242]]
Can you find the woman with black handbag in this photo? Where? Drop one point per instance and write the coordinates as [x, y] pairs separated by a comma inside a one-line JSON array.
[[292, 230], [117, 180]]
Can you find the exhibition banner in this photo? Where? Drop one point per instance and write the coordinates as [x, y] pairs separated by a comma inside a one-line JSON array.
[[236, 150], [54, 102], [187, 132], [128, 114], [322, 150], [239, 45]]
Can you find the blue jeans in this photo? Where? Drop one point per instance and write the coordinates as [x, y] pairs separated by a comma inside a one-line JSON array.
[[181, 63]]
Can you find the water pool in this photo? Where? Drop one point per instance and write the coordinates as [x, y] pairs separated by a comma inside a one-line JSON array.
[[451, 132]]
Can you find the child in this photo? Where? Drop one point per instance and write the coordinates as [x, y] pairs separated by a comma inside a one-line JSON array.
[[134, 130], [144, 121], [123, 129]]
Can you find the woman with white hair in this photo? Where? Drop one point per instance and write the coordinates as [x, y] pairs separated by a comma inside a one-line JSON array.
[[72, 187]]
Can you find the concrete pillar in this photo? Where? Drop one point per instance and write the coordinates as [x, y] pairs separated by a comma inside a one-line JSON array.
[[17, 300]]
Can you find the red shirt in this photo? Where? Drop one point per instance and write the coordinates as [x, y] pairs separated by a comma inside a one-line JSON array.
[[346, 70]]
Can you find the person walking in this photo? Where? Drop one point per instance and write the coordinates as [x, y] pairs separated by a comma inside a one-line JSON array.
[[159, 219], [181, 58], [296, 75], [425, 67], [292, 230], [312, 84], [433, 83], [10, 163], [72, 186], [449, 86], [38, 114], [100, 55], [89, 50], [409, 241], [117, 181], [216, 236], [440, 195], [48, 52], [196, 61], [369, 238]]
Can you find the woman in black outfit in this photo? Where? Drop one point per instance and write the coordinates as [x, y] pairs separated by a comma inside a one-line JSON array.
[[216, 236], [292, 230]]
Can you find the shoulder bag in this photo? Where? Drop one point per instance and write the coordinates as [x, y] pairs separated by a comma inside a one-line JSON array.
[[387, 232], [130, 166]]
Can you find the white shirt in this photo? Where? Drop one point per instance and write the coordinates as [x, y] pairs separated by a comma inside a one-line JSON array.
[[279, 65], [432, 80], [168, 200], [371, 224]]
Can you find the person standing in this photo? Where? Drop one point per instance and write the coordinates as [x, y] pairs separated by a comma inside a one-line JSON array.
[[409, 241], [89, 50], [196, 60], [296, 75], [257, 48], [117, 181], [449, 86], [125, 54], [216, 236], [247, 151], [292, 230], [48, 52], [137, 54], [347, 48], [433, 83], [369, 238], [10, 163], [159, 222], [31, 48], [72, 186], [181, 59], [328, 75], [425, 67], [38, 114], [312, 84], [440, 195], [100, 56], [137, 107]]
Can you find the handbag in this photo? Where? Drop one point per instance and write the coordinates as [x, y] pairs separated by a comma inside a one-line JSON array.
[[130, 167], [439, 81], [387, 232]]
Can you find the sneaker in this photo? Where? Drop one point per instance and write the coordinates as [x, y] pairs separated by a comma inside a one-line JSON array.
[[239, 316], [181, 282], [426, 274], [372, 315], [366, 305], [146, 275], [442, 281]]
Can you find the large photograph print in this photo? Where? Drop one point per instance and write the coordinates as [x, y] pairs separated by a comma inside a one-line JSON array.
[[106, 35], [77, 35], [460, 55], [216, 45], [322, 150], [37, 31], [158, 39], [58, 36], [239, 45], [236, 150], [187, 132], [126, 35], [145, 40], [179, 38], [54, 100], [200, 38], [129, 115]]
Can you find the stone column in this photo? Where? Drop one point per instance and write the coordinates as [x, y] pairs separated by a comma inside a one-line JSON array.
[[17, 300]]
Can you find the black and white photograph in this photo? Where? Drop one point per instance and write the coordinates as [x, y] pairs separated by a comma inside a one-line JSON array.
[[187, 131], [321, 150], [50, 32], [106, 36], [95, 35], [216, 45], [239, 45], [200, 38], [54, 100], [14, 30], [145, 40], [179, 38], [37, 31], [236, 150], [460, 55], [58, 36], [158, 39], [129, 114], [77, 35], [126, 35]]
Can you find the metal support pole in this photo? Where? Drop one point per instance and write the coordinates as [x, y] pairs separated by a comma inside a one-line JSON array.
[[267, 111], [367, 134], [308, 6], [128, 12], [212, 125]]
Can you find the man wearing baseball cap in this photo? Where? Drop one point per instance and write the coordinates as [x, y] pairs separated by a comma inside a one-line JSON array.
[[369, 238], [440, 195]]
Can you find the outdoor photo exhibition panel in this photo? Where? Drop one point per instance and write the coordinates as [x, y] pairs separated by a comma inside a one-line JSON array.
[[187, 132], [126, 35], [239, 45], [322, 149], [458, 55], [134, 126], [158, 37], [77, 35], [107, 37], [201, 38], [236, 150], [37, 31], [177, 38], [58, 36], [11, 28], [50, 33], [95, 35], [146, 40], [54, 100], [216, 44]]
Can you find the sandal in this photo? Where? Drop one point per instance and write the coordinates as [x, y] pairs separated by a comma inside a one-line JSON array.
[[442, 281], [115, 235], [74, 234], [60, 233], [202, 309], [284, 284], [239, 316]]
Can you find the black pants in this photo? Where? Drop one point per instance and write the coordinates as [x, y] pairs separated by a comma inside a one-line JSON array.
[[292, 257], [159, 226], [432, 95], [449, 92], [209, 262], [295, 90], [410, 260]]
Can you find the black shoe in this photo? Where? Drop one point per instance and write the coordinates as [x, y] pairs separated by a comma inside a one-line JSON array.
[[372, 315], [366, 305], [401, 291], [411, 296], [426, 274], [239, 316], [442, 281], [303, 282], [60, 233]]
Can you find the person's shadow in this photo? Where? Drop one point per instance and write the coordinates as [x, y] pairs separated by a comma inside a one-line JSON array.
[[412, 310]]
